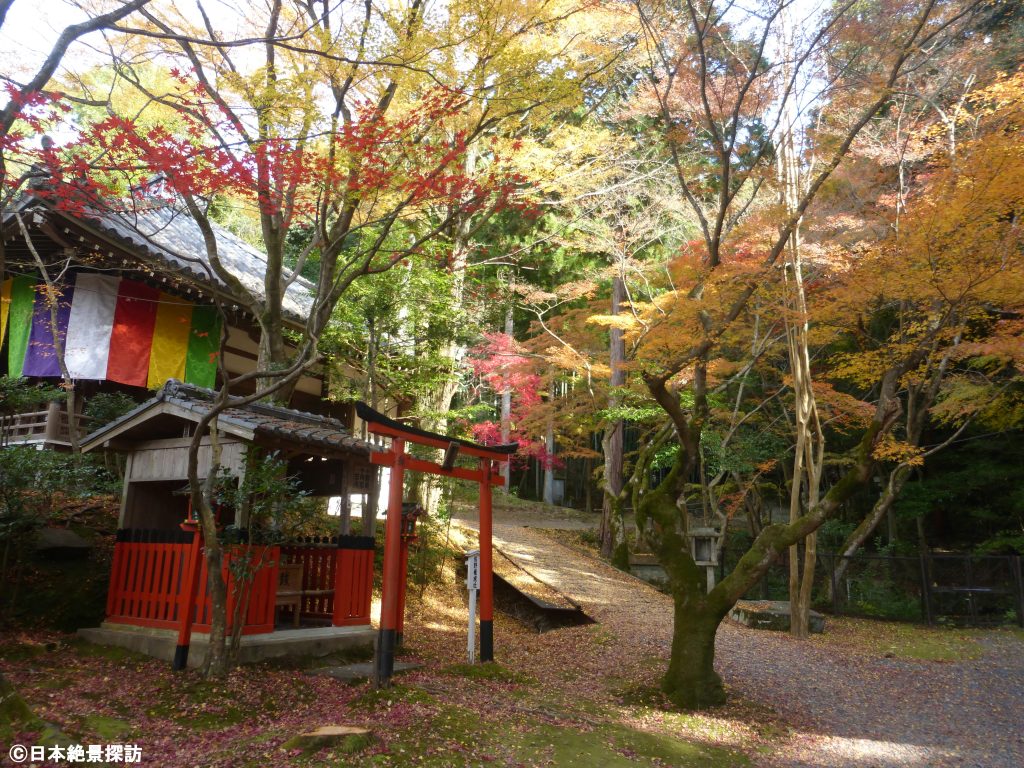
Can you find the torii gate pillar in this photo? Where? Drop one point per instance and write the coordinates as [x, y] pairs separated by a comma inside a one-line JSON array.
[[387, 636], [486, 566]]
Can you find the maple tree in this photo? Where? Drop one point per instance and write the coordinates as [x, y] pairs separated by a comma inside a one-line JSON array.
[[524, 92], [22, 108], [943, 283], [710, 88]]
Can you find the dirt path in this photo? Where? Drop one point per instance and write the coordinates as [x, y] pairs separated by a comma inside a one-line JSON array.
[[846, 708]]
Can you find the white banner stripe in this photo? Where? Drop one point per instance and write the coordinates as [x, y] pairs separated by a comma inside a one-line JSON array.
[[92, 320]]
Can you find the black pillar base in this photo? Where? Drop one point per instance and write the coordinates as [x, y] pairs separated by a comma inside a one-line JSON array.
[[486, 640], [399, 637], [180, 658], [385, 657]]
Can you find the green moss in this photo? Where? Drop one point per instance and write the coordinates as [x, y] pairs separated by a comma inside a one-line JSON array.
[[202, 705], [21, 651], [611, 746], [108, 652], [13, 708], [459, 736], [906, 641], [620, 557], [487, 671], [396, 693], [641, 695], [53, 736], [107, 729], [601, 637], [57, 683]]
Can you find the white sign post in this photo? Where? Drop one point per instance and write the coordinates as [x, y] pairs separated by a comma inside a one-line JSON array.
[[473, 585]]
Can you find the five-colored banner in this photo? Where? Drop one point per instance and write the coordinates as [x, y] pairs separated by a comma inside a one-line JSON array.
[[110, 328]]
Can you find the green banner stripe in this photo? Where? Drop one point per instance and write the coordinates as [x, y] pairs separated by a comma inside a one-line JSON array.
[[23, 295], [203, 347]]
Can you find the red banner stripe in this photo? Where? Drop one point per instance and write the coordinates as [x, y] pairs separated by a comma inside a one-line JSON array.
[[132, 336]]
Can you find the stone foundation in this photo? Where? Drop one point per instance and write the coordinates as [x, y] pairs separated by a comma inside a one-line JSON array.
[[770, 614], [160, 643]]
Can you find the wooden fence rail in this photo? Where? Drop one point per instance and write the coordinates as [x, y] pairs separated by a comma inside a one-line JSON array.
[[149, 573], [147, 586]]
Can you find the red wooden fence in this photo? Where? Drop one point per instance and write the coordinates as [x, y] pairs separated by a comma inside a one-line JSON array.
[[147, 582], [147, 586], [261, 584], [353, 587]]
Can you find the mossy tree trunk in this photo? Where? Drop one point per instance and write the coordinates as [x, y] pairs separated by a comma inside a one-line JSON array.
[[691, 681], [613, 537], [217, 659], [13, 708]]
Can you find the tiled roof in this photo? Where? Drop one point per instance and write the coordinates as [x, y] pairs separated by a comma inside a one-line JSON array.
[[271, 421], [172, 236], [164, 232]]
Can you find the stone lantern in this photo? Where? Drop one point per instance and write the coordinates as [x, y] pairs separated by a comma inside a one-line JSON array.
[[704, 551]]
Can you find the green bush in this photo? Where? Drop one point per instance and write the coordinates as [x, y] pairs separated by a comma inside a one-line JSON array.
[[18, 396], [105, 407], [30, 479], [35, 488]]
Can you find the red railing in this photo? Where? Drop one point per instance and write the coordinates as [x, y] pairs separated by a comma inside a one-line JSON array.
[[147, 585], [261, 586], [337, 579], [149, 572], [353, 587]]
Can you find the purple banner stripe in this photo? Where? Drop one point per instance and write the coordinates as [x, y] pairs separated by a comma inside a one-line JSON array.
[[40, 357]]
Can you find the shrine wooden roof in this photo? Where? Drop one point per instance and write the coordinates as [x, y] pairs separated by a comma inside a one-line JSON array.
[[259, 423]]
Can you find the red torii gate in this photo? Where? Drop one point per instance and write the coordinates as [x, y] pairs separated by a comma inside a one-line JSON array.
[[398, 460]]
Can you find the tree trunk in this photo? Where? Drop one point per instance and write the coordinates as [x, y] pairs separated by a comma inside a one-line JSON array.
[[897, 479], [372, 500], [691, 681], [506, 410], [613, 539], [809, 456], [920, 399], [53, 301], [217, 661], [438, 403], [549, 448]]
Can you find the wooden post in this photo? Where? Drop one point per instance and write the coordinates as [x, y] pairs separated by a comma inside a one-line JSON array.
[[926, 590], [1018, 579], [392, 568], [188, 603], [52, 431], [486, 566]]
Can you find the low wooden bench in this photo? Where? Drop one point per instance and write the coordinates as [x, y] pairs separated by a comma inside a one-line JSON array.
[[290, 593], [289, 589]]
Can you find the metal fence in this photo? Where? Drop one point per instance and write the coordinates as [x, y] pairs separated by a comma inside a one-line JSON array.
[[931, 588]]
